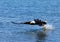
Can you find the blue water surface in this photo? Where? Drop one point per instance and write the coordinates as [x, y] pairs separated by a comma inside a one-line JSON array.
[[28, 10]]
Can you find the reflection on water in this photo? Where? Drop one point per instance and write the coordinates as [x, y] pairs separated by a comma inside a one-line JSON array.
[[41, 36]]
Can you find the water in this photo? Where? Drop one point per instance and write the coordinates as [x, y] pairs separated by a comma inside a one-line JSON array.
[[48, 27], [27, 10]]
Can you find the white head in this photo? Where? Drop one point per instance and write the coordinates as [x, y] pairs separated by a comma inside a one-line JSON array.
[[32, 22]]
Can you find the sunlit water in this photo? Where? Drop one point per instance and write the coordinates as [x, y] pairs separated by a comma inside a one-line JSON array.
[[27, 10]]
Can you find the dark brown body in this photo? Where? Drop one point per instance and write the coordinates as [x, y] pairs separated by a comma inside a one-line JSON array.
[[37, 22]]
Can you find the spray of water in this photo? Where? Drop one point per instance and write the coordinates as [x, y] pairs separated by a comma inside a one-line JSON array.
[[48, 26]]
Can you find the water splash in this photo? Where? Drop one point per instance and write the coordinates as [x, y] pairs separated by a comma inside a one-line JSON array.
[[48, 26]]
